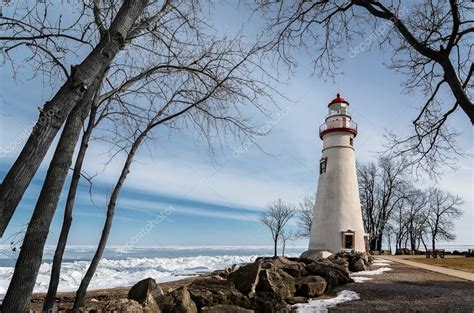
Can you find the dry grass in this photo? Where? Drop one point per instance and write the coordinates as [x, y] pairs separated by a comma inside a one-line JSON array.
[[460, 264]]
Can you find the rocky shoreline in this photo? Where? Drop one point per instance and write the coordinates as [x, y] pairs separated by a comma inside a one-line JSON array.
[[266, 285]]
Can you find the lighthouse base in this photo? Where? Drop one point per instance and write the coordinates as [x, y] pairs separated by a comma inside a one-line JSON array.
[[316, 254]]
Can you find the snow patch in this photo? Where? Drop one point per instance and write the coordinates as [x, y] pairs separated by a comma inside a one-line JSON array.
[[322, 305], [360, 279], [381, 264], [373, 272], [382, 261]]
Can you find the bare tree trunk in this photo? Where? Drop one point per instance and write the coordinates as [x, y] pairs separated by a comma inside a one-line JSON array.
[[275, 252], [373, 244], [58, 254], [18, 295], [379, 241], [424, 244], [55, 112], [81, 292]]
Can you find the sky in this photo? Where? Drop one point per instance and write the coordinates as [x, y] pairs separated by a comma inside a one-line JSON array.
[[179, 195]]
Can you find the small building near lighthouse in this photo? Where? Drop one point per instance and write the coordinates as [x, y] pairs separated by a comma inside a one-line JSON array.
[[337, 216]]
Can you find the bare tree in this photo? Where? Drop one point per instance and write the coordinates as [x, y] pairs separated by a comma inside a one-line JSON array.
[[381, 189], [287, 235], [444, 208], [430, 41], [415, 216], [169, 53], [305, 216], [276, 217], [24, 29], [207, 99], [28, 263], [68, 210]]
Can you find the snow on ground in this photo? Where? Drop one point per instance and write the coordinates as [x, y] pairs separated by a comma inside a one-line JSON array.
[[381, 262], [322, 305], [360, 279], [372, 272]]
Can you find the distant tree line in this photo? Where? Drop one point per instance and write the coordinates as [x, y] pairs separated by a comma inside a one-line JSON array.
[[396, 211]]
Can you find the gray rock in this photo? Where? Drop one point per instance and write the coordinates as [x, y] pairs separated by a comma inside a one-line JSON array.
[[123, 305], [310, 255], [142, 291], [246, 277], [214, 290], [310, 286], [334, 274], [341, 262], [226, 309], [178, 301], [357, 265], [269, 302], [278, 282]]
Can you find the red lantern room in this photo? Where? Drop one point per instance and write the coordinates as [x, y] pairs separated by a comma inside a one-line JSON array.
[[338, 118]]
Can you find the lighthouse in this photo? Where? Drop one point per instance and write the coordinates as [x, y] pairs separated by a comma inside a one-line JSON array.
[[337, 215]]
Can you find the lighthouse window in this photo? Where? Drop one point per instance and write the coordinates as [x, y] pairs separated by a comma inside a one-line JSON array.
[[348, 241], [351, 141], [322, 165]]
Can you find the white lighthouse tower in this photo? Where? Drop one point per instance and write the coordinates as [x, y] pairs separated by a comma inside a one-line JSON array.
[[337, 216]]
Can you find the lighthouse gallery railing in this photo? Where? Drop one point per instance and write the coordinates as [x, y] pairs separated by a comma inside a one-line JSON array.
[[342, 123]]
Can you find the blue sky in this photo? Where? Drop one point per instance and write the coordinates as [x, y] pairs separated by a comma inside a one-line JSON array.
[[218, 202]]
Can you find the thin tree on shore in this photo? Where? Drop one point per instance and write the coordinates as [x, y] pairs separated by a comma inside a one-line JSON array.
[[305, 216], [275, 218], [286, 236]]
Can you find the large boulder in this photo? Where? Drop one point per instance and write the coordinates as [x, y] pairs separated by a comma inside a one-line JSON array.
[[278, 282], [357, 265], [269, 302], [214, 290], [246, 277], [144, 291], [123, 305], [310, 286], [341, 262], [178, 301], [292, 267], [334, 274], [313, 255], [225, 308], [356, 261]]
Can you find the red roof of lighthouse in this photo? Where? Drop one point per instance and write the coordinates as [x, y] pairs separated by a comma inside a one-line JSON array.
[[338, 99]]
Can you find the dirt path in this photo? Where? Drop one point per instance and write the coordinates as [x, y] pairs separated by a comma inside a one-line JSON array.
[[409, 289]]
